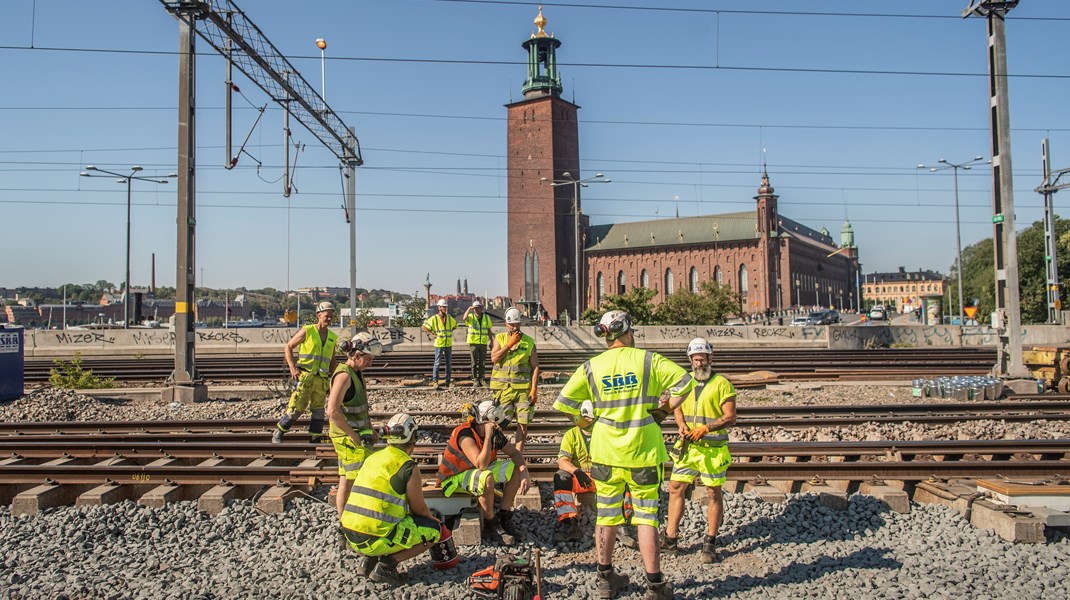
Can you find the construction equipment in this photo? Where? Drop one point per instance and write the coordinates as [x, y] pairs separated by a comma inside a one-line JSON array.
[[1050, 365], [510, 578]]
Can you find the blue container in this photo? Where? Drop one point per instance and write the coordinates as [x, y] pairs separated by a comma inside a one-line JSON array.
[[12, 379]]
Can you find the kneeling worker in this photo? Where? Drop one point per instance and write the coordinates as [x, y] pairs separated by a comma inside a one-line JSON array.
[[470, 464], [702, 451], [573, 475], [386, 518]]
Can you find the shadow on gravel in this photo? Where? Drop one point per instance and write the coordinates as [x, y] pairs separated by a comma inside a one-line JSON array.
[[804, 520], [866, 558]]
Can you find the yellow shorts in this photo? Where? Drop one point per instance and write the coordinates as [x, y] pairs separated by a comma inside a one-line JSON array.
[[707, 463], [406, 534], [516, 404], [311, 393], [350, 456], [611, 485], [474, 481]]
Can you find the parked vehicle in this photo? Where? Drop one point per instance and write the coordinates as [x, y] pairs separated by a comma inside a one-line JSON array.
[[832, 317], [801, 321], [878, 313]]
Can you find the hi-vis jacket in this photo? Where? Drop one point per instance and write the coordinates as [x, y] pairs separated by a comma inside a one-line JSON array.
[[515, 368], [704, 405], [478, 329], [442, 328], [375, 507], [315, 356], [454, 460]]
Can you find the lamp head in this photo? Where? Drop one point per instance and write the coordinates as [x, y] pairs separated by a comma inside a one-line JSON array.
[[978, 158], [321, 43], [607, 181], [172, 174], [90, 168], [921, 166], [567, 174], [967, 168], [123, 180], [943, 160], [136, 168], [599, 175], [84, 174]]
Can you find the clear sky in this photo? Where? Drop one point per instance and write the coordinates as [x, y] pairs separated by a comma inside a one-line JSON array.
[[677, 102]]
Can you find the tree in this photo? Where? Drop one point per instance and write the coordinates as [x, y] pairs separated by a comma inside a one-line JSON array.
[[712, 305], [636, 302], [412, 313]]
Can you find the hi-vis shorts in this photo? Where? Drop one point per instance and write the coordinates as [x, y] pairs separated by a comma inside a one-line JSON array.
[[474, 481]]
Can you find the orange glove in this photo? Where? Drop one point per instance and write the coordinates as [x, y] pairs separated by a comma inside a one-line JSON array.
[[697, 433], [514, 339]]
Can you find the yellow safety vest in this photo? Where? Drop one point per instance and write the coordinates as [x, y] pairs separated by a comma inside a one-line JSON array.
[[576, 447], [315, 356], [354, 405], [625, 384], [443, 329], [478, 329], [515, 368], [704, 406], [374, 508]]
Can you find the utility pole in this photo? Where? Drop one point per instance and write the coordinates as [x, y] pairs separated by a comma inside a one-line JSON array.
[[230, 32], [1007, 318], [1051, 263]]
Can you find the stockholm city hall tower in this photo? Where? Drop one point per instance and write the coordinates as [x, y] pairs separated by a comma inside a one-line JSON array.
[[542, 142]]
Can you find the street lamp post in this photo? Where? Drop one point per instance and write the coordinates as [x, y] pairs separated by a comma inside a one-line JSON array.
[[576, 183], [830, 298], [798, 295], [128, 180], [944, 165]]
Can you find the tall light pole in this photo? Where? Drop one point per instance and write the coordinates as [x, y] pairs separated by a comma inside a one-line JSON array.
[[128, 180], [322, 45], [944, 165], [576, 183]]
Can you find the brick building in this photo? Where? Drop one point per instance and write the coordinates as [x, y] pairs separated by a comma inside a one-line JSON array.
[[774, 262]]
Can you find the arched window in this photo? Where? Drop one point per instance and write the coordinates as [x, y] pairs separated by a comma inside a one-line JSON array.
[[528, 295], [668, 282], [601, 290], [743, 286], [644, 279], [621, 282], [717, 275], [694, 280], [535, 276]]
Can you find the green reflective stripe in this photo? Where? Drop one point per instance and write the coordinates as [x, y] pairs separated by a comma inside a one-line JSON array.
[[373, 514], [647, 420], [569, 402], [382, 496]]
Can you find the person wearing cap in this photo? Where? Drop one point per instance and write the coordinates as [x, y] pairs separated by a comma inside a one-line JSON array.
[[347, 409], [439, 327], [311, 368], [702, 450], [385, 517], [470, 464], [514, 376], [478, 335], [625, 385]]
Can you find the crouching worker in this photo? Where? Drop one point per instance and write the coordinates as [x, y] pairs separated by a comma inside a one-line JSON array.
[[702, 451], [470, 464], [573, 475], [386, 518]]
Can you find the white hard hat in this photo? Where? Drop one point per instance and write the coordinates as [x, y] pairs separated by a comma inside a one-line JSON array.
[[613, 324], [363, 342], [512, 316], [488, 411], [587, 409], [442, 302], [477, 304], [324, 307], [400, 429], [699, 346]]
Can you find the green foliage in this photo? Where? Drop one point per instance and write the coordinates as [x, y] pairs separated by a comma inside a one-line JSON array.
[[978, 272], [712, 305], [636, 302], [363, 319], [412, 312], [73, 376]]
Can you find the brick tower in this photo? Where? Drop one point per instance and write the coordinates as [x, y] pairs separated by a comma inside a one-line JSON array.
[[766, 291], [543, 142]]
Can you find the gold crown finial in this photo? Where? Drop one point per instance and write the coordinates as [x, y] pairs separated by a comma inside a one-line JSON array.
[[540, 22]]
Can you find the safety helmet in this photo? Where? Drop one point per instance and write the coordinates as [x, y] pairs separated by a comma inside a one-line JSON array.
[[324, 307], [699, 346], [512, 316], [363, 342], [613, 324], [442, 302], [488, 411], [400, 429], [587, 409], [477, 304]]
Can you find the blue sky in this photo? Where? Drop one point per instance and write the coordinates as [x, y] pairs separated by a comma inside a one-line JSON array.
[[674, 104]]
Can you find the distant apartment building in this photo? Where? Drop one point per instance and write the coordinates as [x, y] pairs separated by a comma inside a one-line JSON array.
[[903, 289]]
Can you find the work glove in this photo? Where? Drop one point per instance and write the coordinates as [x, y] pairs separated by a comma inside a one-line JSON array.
[[659, 414], [499, 440], [697, 433], [514, 339], [582, 478], [367, 440]]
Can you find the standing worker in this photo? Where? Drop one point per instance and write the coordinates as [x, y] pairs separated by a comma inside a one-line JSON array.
[[311, 369], [439, 327], [702, 451], [627, 447], [478, 335], [514, 378], [347, 409], [386, 517]]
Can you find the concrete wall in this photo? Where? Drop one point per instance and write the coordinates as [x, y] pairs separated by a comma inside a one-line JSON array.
[[920, 336]]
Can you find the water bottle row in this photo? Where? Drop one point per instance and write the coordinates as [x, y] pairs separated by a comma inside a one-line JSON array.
[[970, 387]]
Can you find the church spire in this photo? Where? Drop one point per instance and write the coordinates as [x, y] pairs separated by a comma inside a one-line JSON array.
[[543, 79]]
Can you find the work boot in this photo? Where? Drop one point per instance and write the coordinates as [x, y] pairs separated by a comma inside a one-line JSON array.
[[659, 591], [494, 533], [609, 582], [366, 564], [569, 530], [709, 552], [386, 572], [505, 518], [627, 536], [669, 545], [276, 438]]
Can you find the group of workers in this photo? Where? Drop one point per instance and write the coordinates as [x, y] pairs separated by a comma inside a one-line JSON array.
[[616, 450]]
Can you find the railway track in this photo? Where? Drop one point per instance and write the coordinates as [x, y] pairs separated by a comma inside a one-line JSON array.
[[803, 364]]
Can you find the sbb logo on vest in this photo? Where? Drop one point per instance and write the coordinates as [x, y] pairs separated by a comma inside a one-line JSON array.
[[617, 383]]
